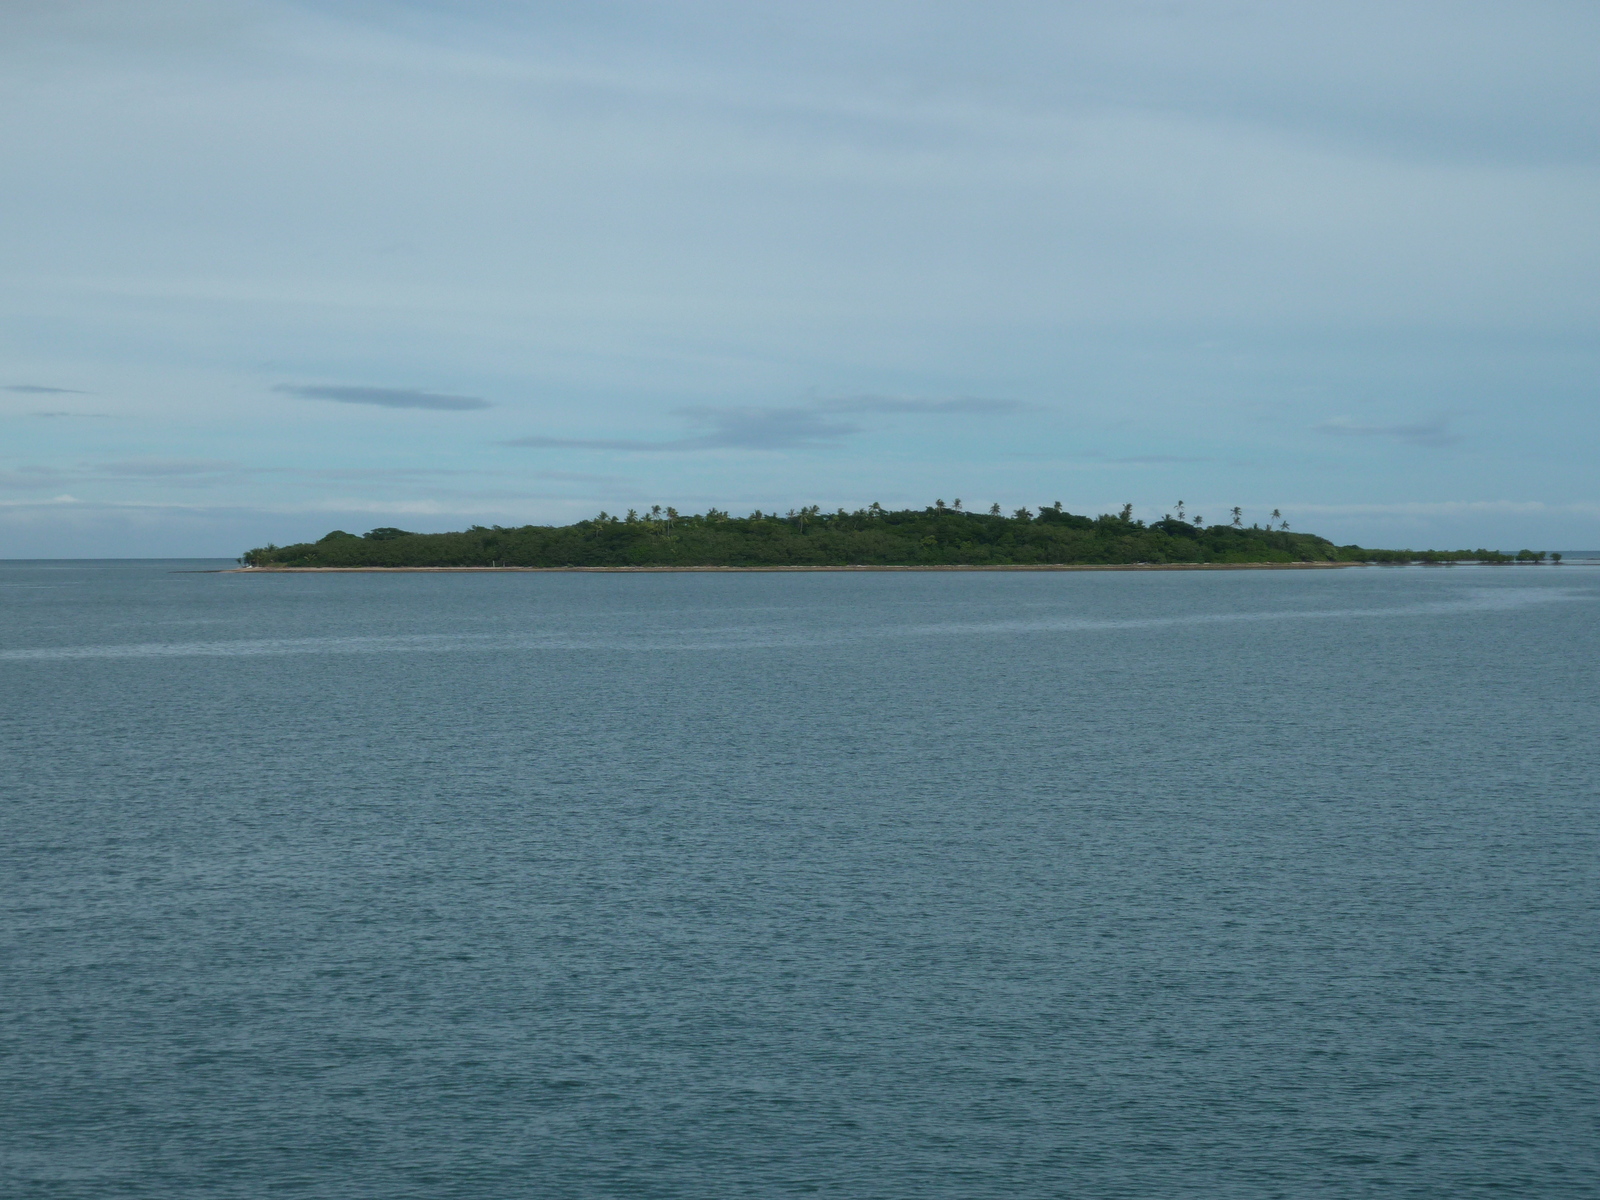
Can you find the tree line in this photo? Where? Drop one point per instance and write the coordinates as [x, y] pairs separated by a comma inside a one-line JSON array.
[[938, 535]]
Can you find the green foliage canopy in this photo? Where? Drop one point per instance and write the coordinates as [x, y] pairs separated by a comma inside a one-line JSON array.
[[934, 536]]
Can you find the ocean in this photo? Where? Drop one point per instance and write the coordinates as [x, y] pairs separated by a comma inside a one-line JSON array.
[[934, 885]]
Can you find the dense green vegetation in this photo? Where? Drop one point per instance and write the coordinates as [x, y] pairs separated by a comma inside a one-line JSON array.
[[939, 535]]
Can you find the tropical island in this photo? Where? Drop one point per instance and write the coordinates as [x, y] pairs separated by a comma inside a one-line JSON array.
[[938, 536]]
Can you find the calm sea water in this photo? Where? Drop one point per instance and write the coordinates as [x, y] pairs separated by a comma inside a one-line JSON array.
[[1230, 884]]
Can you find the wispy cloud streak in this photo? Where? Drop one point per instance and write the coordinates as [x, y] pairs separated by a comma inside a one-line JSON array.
[[795, 427], [384, 397], [1436, 432]]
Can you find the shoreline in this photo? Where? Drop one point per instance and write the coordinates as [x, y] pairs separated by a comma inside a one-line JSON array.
[[646, 570]]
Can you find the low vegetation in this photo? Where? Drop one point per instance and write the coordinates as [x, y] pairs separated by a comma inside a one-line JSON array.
[[940, 535]]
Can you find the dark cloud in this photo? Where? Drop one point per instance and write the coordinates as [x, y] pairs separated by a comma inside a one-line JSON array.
[[790, 428], [36, 389], [1436, 432], [385, 397]]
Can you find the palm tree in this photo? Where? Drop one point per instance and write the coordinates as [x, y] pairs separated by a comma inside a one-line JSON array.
[[1238, 517]]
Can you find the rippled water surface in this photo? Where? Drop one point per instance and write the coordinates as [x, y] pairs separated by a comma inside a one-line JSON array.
[[1200, 884]]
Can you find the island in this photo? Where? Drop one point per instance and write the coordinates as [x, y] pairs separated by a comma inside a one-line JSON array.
[[939, 536]]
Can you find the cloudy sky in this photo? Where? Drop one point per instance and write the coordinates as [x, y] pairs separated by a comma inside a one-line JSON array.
[[273, 267]]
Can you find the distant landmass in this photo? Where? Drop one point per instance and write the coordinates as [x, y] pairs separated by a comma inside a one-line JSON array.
[[937, 536]]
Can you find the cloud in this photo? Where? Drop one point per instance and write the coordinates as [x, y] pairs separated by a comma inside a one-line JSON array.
[[913, 404], [747, 427], [738, 428], [413, 475], [385, 397], [1448, 508], [374, 473], [1159, 459], [50, 503], [765, 428], [35, 389], [31, 477], [158, 468], [1436, 432], [1158, 221]]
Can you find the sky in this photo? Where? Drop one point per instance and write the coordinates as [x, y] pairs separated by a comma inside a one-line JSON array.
[[274, 267]]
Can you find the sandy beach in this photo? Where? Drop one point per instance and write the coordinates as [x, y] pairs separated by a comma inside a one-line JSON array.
[[1295, 566]]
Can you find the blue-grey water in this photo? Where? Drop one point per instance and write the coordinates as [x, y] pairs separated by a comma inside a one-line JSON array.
[[1220, 884]]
